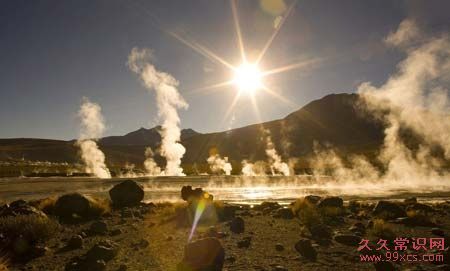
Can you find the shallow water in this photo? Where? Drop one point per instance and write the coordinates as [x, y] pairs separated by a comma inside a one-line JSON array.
[[235, 189]]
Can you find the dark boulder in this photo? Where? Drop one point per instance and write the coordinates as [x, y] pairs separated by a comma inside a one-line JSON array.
[[126, 193], [388, 209], [245, 242], [285, 213], [98, 227], [416, 221], [102, 251], [75, 242], [348, 239], [72, 206], [203, 255], [189, 194], [237, 225], [305, 248], [336, 202]]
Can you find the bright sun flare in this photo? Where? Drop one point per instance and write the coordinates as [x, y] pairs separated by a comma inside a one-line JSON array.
[[247, 78]]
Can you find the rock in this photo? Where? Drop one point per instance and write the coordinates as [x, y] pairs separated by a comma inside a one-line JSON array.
[[244, 243], [72, 206], [142, 244], [348, 239], [21, 246], [410, 200], [438, 232], [305, 248], [98, 227], [237, 225], [102, 251], [388, 209], [19, 207], [358, 227], [227, 212], [39, 251], [420, 207], [415, 221], [313, 199], [189, 194], [279, 268], [285, 213], [269, 205], [331, 202], [320, 232], [115, 232], [126, 193], [75, 242], [78, 264], [384, 266], [122, 267], [279, 247], [201, 255]]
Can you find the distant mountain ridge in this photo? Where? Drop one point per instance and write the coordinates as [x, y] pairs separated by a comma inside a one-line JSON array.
[[334, 119]]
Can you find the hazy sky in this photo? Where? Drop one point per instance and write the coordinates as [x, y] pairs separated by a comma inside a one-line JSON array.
[[52, 53]]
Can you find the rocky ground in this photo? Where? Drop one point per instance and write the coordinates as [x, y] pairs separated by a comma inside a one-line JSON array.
[[121, 233]]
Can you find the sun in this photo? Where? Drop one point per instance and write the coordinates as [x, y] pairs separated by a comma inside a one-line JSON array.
[[248, 78]]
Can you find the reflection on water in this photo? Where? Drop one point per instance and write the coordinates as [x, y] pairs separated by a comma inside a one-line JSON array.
[[230, 188]]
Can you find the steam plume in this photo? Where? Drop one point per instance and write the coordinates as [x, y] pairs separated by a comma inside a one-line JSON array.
[[168, 100], [277, 166], [218, 164], [415, 97], [151, 168], [92, 127]]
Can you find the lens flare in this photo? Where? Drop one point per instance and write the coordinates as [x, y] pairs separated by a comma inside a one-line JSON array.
[[201, 205]]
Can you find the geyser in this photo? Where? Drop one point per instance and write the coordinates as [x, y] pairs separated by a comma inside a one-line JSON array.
[[168, 101], [92, 127]]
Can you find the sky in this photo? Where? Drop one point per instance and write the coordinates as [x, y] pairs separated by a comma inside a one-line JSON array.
[[54, 52]]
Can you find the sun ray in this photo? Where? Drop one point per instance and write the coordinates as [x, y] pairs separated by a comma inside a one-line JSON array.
[[211, 87], [231, 107], [255, 108], [238, 30], [201, 50], [279, 97], [297, 65], [274, 34]]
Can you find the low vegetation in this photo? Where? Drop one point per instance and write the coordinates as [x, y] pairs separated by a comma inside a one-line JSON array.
[[33, 228]]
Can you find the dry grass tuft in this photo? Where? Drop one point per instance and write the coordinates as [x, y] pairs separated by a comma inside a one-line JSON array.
[[381, 229], [99, 206]]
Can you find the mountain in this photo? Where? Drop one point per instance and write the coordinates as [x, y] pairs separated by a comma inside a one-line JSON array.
[[333, 119]]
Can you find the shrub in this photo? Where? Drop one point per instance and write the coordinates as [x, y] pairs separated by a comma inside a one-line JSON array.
[[306, 212], [34, 228]]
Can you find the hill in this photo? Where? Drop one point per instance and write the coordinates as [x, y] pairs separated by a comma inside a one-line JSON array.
[[333, 119]]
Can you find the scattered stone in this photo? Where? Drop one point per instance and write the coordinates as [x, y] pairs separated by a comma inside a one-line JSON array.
[[245, 242], [279, 247], [98, 227], [126, 193], [142, 244], [384, 266], [358, 227], [75, 242], [269, 205], [237, 225], [320, 232], [122, 267], [416, 221], [72, 207], [102, 251], [285, 213], [115, 232], [438, 232], [78, 264], [305, 249], [19, 207], [204, 254], [348, 239], [331, 202], [388, 209], [410, 200], [279, 268]]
